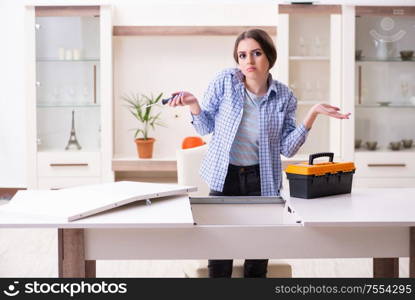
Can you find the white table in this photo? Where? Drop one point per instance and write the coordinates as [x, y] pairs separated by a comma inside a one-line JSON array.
[[377, 223]]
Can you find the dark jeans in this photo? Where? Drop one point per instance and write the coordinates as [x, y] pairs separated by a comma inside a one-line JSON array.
[[240, 181]]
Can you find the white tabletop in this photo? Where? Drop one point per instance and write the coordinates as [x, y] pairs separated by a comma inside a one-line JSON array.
[[363, 207]]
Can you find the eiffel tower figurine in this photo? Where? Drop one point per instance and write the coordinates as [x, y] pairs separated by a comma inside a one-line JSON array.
[[73, 142]]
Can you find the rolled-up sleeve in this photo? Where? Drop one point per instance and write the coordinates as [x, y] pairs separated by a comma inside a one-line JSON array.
[[293, 136], [204, 123]]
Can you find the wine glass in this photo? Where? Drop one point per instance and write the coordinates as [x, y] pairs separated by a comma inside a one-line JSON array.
[[71, 94], [302, 44], [85, 93], [404, 88], [56, 95], [319, 90], [308, 92], [293, 86], [317, 46]]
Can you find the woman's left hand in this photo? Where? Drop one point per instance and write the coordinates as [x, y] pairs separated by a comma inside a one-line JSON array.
[[329, 110], [324, 109]]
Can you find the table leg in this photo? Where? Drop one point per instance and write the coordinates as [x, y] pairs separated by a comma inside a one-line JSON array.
[[90, 269], [386, 267], [412, 252], [71, 255]]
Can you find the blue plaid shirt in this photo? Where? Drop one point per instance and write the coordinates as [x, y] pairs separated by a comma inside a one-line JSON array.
[[221, 114]]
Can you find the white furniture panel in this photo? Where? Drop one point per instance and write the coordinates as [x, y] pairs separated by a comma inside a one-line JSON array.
[[56, 164], [201, 14], [310, 43], [79, 202], [385, 165], [396, 182], [169, 212], [69, 94], [239, 214], [188, 168], [366, 223], [53, 183], [363, 207], [384, 94]]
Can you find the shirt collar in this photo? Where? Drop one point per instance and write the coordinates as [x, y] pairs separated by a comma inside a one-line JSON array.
[[271, 86]]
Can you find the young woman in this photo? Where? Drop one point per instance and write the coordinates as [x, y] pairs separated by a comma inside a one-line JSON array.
[[252, 118]]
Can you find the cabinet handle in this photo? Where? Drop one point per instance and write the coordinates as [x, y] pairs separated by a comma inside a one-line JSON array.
[[95, 84], [360, 84], [386, 165], [69, 165]]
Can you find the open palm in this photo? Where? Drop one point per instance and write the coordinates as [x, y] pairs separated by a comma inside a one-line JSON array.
[[329, 110]]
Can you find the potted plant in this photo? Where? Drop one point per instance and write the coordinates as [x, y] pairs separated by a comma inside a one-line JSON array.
[[140, 107]]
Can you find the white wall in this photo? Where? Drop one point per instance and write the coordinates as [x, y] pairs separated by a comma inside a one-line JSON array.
[[155, 64], [12, 96]]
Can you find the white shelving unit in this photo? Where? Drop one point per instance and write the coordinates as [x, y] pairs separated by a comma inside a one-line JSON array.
[[309, 58], [309, 62], [316, 58], [384, 85], [69, 59]]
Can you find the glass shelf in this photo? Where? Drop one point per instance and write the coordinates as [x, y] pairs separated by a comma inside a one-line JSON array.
[[96, 60], [309, 102], [392, 59], [323, 58], [384, 85], [385, 106], [385, 150], [62, 150], [52, 105], [68, 103]]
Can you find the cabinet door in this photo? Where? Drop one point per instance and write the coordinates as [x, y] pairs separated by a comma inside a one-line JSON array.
[[69, 88], [58, 164], [309, 48], [385, 81], [67, 78], [55, 183]]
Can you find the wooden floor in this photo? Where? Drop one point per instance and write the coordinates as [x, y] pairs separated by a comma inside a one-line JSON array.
[[33, 253]]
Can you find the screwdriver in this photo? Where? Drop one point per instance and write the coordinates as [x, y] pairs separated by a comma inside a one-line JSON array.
[[164, 101]]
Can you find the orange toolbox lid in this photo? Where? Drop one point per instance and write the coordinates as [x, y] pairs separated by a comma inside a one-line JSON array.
[[318, 169]]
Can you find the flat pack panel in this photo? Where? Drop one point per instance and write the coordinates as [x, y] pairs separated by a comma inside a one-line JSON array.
[[363, 207], [80, 202], [171, 212]]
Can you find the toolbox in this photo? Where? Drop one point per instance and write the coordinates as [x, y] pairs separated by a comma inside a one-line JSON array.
[[312, 180]]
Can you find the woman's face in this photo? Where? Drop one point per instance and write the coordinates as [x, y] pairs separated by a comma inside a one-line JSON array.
[[252, 60]]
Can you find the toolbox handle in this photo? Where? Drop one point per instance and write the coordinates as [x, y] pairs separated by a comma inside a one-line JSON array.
[[330, 155]]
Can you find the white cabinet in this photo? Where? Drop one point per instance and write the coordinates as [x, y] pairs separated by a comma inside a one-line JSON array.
[[385, 165], [72, 164], [384, 95], [69, 68], [309, 62], [51, 183], [350, 56], [69, 98]]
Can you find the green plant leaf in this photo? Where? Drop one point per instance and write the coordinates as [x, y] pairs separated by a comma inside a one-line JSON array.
[[160, 124], [158, 98], [138, 105], [137, 132]]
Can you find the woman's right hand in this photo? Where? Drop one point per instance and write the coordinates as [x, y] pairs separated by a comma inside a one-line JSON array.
[[186, 98], [183, 98]]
